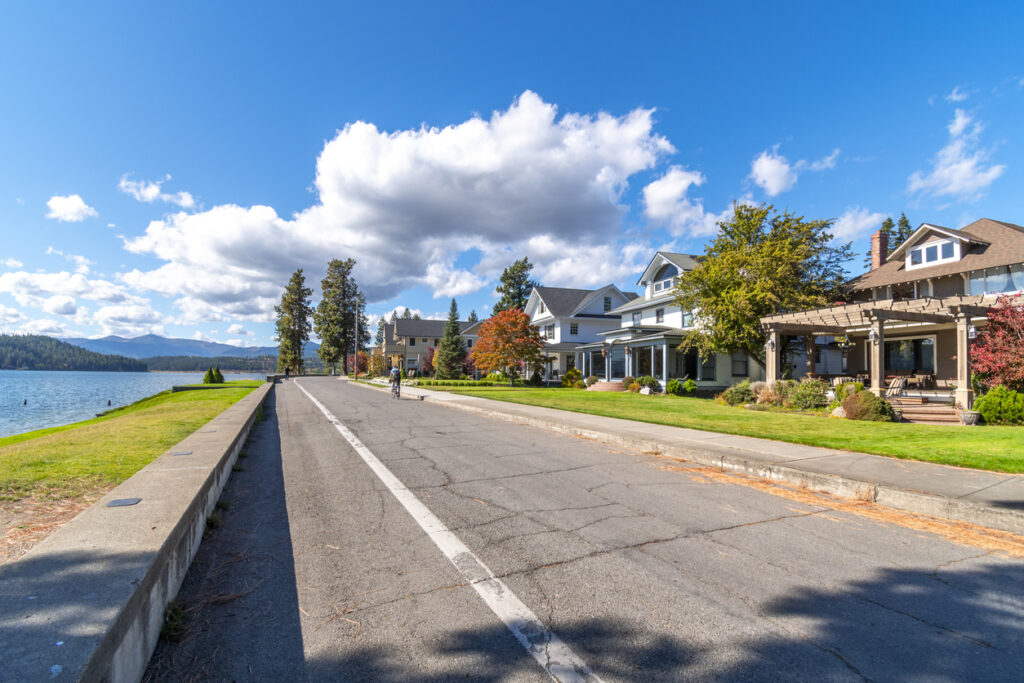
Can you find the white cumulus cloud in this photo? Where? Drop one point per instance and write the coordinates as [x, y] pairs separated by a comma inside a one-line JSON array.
[[238, 329], [10, 316], [666, 203], [957, 95], [774, 174], [961, 169], [71, 209], [150, 191], [61, 305], [405, 204], [12, 263], [128, 320], [856, 222]]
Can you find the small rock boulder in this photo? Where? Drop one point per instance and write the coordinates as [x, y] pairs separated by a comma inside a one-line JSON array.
[[646, 391], [838, 412]]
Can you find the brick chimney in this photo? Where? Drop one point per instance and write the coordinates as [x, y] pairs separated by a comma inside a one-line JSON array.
[[879, 249]]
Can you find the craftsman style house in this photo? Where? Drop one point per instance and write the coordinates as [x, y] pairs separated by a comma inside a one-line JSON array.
[[649, 330], [568, 318], [916, 311], [406, 341]]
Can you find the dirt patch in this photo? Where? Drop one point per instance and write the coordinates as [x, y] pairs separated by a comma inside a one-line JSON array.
[[961, 533], [28, 521]]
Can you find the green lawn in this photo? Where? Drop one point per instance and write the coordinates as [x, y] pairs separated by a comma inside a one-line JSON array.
[[999, 449], [80, 458]]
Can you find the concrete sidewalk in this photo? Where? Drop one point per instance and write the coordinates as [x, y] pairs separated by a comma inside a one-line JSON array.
[[991, 499]]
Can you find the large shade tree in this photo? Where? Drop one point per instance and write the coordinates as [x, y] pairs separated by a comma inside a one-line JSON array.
[[515, 286], [507, 343], [292, 323], [761, 263], [451, 351]]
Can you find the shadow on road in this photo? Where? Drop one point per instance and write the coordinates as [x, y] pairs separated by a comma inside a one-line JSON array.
[[240, 600]]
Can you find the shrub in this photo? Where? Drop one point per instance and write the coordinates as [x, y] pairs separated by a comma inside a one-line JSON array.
[[674, 387], [218, 378], [535, 379], [864, 405], [810, 393], [571, 376], [634, 387], [649, 382], [1001, 406], [689, 387], [848, 389], [768, 395], [592, 380], [738, 394], [758, 387], [627, 380], [208, 377], [579, 384], [784, 388]]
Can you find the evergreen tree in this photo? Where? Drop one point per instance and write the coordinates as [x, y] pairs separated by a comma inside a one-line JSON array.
[[903, 231], [292, 323], [406, 314], [515, 286], [218, 378], [335, 317], [208, 377], [379, 339], [451, 351], [472, 317]]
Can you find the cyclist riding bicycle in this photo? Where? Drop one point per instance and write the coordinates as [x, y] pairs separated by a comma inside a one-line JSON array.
[[396, 381]]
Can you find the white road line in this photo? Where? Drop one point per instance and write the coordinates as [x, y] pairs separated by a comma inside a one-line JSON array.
[[557, 658]]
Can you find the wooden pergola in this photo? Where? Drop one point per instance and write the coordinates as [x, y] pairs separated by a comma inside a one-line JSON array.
[[871, 317]]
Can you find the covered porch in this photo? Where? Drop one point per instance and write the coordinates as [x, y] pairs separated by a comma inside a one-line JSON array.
[[653, 354], [925, 340]]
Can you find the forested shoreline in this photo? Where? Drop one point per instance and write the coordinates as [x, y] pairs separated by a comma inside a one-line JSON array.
[[38, 352]]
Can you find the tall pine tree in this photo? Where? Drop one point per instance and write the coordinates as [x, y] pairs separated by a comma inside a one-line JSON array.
[[515, 286], [293, 323], [889, 229], [335, 317], [451, 351], [903, 231], [472, 317]]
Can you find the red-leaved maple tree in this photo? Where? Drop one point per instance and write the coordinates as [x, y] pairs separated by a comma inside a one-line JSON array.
[[507, 342], [998, 353]]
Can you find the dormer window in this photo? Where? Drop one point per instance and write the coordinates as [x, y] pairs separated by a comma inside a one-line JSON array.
[[666, 278], [540, 307], [933, 253]]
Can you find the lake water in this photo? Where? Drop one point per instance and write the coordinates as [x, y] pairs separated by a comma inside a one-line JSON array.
[[60, 397]]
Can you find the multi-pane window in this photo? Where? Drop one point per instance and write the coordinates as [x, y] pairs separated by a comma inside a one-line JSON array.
[[687, 319], [708, 368], [659, 315], [934, 252], [636, 319], [739, 364], [412, 341], [607, 303], [549, 331], [574, 328], [1000, 279]]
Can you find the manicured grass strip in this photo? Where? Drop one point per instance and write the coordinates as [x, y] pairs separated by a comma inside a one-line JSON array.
[[999, 449], [104, 451]]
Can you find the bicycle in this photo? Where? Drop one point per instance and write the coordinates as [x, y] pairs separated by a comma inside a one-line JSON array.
[[396, 389]]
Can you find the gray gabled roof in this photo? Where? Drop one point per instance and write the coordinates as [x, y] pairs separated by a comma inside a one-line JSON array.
[[423, 328], [562, 301]]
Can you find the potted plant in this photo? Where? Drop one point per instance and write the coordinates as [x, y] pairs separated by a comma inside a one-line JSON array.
[[967, 417]]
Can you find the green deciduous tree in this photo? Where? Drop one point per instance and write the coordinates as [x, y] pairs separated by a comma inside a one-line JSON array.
[[292, 323], [761, 263], [515, 286], [451, 351]]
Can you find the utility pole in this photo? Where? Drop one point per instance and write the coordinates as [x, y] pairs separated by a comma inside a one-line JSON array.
[[355, 356]]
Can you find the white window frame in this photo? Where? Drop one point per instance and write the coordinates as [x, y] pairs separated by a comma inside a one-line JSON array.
[[938, 246], [607, 304], [659, 315], [574, 329], [668, 283]]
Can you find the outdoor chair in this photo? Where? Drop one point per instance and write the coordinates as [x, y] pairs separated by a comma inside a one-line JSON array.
[[896, 386]]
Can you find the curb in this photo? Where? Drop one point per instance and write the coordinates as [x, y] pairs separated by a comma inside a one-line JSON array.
[[731, 459], [88, 602]]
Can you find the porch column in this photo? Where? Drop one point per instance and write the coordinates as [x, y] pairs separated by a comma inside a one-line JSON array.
[[812, 367], [664, 363], [652, 360], [773, 357], [964, 393], [876, 351]]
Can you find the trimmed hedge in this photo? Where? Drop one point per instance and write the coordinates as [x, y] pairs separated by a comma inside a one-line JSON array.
[[866, 406], [1001, 406]]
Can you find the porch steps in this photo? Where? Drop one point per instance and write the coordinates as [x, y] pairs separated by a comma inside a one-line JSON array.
[[606, 386], [921, 411]]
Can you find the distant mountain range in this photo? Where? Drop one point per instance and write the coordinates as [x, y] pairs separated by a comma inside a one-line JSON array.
[[150, 345]]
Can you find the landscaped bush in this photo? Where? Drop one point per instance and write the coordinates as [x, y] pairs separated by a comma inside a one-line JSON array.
[[810, 393], [535, 379], [634, 387], [758, 387], [571, 376], [689, 387], [674, 387], [592, 380], [848, 389], [738, 394], [1001, 406], [627, 380], [785, 389], [579, 384], [864, 405], [649, 382], [768, 395]]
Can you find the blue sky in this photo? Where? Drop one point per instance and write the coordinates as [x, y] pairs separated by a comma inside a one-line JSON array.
[[166, 168]]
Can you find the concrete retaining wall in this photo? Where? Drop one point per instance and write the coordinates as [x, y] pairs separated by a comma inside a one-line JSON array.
[[88, 602]]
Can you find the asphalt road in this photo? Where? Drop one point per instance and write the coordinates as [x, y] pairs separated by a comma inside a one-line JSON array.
[[647, 569]]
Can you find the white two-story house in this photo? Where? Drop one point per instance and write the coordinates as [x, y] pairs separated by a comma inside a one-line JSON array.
[[649, 332], [568, 318]]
